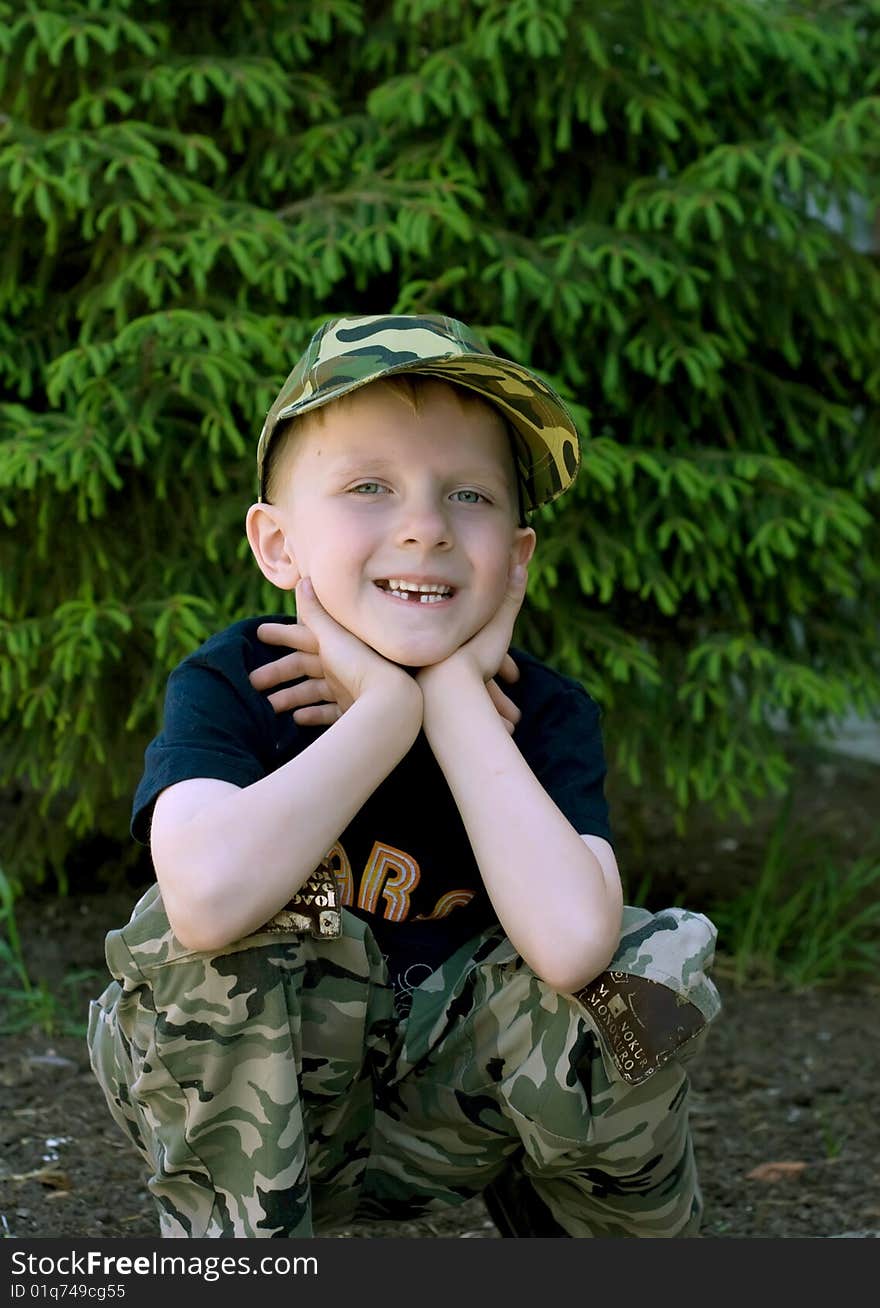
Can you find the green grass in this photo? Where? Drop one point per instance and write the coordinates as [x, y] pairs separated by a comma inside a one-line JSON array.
[[53, 1012], [26, 1004], [833, 1136], [807, 920]]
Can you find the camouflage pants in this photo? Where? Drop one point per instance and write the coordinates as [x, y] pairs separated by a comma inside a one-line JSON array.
[[273, 1090]]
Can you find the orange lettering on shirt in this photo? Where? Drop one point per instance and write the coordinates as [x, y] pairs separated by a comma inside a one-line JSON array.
[[337, 859], [446, 903], [395, 889]]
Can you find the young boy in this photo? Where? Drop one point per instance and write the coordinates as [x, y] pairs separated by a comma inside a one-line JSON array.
[[386, 965]]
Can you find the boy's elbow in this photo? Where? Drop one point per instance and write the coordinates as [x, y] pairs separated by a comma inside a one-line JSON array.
[[202, 925], [194, 919], [568, 972], [189, 930], [190, 937], [571, 981]]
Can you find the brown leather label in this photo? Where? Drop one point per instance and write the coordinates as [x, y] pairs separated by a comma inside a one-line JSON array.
[[315, 907], [641, 1023]]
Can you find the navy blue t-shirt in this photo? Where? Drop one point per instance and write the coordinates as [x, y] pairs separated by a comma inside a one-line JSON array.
[[404, 863]]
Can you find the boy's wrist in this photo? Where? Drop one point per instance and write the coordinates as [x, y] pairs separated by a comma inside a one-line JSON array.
[[452, 673], [401, 695], [451, 686]]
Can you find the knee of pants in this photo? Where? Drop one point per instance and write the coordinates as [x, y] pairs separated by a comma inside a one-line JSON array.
[[551, 1074]]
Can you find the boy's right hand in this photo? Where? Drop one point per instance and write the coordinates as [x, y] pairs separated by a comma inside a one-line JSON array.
[[340, 667]]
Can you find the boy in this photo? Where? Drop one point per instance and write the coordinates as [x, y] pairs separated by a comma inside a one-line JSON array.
[[454, 1002]]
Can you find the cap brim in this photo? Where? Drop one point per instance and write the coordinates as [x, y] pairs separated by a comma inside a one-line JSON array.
[[531, 407]]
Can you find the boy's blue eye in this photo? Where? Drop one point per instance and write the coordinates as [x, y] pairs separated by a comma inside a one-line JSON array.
[[375, 485]]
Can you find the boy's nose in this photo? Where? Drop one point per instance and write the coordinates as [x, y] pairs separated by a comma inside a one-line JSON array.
[[424, 524]]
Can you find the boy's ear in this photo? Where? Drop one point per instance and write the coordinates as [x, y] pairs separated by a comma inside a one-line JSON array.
[[268, 541], [523, 547]]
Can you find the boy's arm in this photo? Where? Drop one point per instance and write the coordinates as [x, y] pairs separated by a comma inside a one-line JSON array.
[[228, 858], [559, 901]]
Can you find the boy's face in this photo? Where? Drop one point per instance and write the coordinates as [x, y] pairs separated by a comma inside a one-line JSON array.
[[374, 492]]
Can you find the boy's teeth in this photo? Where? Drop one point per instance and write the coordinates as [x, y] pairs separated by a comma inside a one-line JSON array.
[[428, 592]]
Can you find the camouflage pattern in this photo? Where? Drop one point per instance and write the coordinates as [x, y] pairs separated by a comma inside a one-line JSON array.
[[347, 353], [273, 1090]]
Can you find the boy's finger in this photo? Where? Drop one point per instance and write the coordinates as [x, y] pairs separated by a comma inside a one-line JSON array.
[[317, 715], [309, 606], [305, 694], [294, 635], [506, 707], [305, 593], [508, 670], [287, 668]]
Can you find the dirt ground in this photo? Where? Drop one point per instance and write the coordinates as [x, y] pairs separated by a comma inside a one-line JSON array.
[[783, 1097]]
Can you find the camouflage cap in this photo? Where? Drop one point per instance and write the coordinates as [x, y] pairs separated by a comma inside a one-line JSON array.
[[346, 353]]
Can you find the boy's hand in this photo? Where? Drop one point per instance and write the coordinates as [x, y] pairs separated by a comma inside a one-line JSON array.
[[311, 702], [340, 668], [482, 655], [307, 699]]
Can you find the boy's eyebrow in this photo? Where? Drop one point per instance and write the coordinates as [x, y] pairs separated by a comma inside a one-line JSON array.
[[344, 462]]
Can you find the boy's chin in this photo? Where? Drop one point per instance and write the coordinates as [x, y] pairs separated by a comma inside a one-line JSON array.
[[412, 655], [408, 664], [411, 668]]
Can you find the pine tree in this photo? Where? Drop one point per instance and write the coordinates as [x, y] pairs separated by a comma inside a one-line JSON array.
[[661, 207]]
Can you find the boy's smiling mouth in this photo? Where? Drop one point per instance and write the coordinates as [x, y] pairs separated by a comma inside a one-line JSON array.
[[415, 592]]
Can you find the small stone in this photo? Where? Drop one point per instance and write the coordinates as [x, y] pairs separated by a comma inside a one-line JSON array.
[[52, 1060]]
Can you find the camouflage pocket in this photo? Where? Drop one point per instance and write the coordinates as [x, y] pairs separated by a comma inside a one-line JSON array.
[[294, 994], [656, 999], [641, 1024], [111, 1066]]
